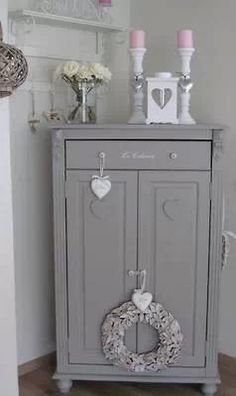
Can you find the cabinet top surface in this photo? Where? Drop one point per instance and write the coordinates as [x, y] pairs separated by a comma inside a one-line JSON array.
[[141, 132]]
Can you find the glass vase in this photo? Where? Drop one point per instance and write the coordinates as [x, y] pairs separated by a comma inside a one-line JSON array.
[[85, 110]]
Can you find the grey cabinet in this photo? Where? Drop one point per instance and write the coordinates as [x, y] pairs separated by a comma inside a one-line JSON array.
[[163, 213]]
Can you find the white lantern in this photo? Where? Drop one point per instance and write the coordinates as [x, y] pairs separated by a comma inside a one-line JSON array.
[[162, 99]]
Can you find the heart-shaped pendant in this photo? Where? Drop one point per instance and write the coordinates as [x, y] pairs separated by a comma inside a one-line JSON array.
[[162, 96], [101, 186], [141, 300], [186, 84]]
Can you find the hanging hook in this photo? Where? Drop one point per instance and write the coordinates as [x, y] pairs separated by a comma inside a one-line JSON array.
[[142, 274]]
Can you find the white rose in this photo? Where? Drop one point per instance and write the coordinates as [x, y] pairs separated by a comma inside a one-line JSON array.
[[83, 73], [100, 72], [70, 69], [97, 70]]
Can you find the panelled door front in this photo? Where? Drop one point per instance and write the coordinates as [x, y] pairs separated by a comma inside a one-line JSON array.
[[173, 247], [101, 248]]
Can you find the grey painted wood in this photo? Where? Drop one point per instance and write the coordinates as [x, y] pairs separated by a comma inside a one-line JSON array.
[[82, 255], [107, 370], [138, 155], [173, 247], [64, 385], [139, 132], [128, 127], [209, 389], [137, 135], [58, 156], [215, 255], [102, 246], [87, 376]]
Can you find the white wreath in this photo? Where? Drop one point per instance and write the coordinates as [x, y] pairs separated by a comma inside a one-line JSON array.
[[127, 315]]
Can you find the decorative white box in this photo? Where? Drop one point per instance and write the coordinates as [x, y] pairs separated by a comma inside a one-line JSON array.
[[162, 99]]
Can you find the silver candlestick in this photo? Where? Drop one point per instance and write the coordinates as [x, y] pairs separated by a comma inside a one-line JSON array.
[[185, 85], [138, 82]]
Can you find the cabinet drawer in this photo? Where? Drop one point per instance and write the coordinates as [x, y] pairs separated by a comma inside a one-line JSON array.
[[139, 155]]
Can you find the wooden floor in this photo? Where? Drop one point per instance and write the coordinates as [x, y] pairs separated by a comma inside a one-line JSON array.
[[39, 383]]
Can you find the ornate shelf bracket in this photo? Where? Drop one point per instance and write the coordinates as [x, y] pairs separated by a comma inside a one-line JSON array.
[[22, 24]]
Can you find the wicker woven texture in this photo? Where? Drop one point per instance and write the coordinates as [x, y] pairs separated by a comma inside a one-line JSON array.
[[13, 68]]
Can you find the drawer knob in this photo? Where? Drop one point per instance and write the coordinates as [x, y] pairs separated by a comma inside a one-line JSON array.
[[173, 156]]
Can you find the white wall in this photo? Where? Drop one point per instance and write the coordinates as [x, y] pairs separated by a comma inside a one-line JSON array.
[[31, 165], [8, 363], [214, 96]]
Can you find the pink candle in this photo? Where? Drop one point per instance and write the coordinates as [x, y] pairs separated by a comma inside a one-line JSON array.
[[137, 39], [185, 39], [105, 3]]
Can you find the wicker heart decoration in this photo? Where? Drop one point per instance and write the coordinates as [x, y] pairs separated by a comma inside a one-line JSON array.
[[101, 186], [162, 96], [141, 300]]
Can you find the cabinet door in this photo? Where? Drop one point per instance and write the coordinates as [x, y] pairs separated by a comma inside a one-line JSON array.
[[173, 247], [101, 248]]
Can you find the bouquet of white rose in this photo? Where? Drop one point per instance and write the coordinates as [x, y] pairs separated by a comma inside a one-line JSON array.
[[83, 78], [74, 72]]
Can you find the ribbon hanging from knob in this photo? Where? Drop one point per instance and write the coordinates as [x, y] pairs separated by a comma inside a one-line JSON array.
[[101, 185], [13, 67]]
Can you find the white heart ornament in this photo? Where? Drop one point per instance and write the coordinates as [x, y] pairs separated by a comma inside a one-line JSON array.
[[141, 300], [100, 186], [186, 84]]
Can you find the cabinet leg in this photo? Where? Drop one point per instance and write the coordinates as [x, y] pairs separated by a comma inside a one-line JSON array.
[[64, 386], [209, 389]]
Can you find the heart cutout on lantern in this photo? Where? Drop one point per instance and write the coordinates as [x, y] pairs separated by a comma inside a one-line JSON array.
[[161, 96], [101, 186], [141, 300]]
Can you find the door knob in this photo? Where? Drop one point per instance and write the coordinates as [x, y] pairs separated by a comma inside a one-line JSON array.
[[173, 156]]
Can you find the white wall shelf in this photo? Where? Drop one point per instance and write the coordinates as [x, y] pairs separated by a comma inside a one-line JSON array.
[[57, 20]]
